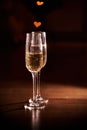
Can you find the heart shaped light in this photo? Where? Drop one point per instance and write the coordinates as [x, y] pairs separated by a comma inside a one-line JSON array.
[[37, 24], [39, 3]]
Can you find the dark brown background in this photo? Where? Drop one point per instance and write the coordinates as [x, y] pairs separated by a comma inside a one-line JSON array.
[[65, 23]]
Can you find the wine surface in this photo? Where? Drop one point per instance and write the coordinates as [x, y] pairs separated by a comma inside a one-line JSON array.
[[34, 61]]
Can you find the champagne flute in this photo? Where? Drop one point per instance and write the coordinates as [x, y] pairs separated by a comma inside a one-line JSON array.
[[34, 63], [44, 45]]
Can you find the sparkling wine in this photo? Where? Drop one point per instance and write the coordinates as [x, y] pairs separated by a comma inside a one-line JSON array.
[[34, 61], [44, 55]]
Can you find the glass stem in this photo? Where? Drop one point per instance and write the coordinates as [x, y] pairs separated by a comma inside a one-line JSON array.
[[34, 76], [38, 85]]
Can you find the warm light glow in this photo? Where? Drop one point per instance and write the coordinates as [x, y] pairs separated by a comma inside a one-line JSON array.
[[37, 24], [39, 3]]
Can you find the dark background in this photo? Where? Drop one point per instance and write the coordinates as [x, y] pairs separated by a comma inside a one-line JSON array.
[[65, 23]]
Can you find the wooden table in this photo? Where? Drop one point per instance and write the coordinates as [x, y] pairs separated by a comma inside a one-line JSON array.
[[66, 109]]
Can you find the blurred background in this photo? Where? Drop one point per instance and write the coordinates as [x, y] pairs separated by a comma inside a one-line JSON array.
[[65, 23]]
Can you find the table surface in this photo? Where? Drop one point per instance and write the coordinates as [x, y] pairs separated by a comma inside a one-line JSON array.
[[66, 109]]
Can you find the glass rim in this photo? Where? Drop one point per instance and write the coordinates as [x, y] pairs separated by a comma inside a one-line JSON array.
[[36, 32]]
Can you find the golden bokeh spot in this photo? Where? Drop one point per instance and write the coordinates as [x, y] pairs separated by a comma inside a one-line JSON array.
[[37, 24], [39, 3]]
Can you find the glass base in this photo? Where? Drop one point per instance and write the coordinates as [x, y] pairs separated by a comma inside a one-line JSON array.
[[41, 100], [34, 105]]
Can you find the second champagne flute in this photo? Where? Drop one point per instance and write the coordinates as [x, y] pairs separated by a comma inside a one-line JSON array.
[[44, 46]]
